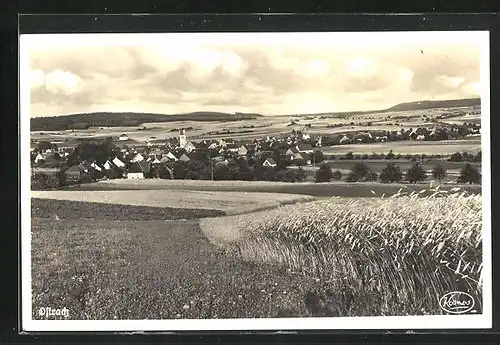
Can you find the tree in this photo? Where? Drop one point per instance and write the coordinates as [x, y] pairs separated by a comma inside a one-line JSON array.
[[180, 170], [269, 174], [85, 179], [470, 175], [390, 155], [360, 170], [337, 175], [456, 157], [349, 156], [477, 158], [391, 173], [93, 152], [438, 172], [163, 172], [44, 145], [38, 181], [61, 178], [324, 173], [193, 175], [416, 173], [301, 175], [318, 156]]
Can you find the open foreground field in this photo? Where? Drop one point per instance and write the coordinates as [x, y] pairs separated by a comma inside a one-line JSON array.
[[228, 202], [343, 189], [319, 258], [102, 268]]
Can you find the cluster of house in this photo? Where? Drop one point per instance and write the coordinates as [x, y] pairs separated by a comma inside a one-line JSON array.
[[419, 133], [298, 147]]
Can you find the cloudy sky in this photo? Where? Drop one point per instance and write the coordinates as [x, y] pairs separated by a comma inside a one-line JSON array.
[[272, 74]]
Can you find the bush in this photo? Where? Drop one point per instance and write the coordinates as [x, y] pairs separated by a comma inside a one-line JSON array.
[[337, 175], [390, 155], [324, 173], [361, 170], [469, 174], [371, 176], [391, 173], [477, 158], [352, 177], [438, 172], [416, 173]]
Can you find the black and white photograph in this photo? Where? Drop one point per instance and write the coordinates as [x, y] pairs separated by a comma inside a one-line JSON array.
[[255, 180]]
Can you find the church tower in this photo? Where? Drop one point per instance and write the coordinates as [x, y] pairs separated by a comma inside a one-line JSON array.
[[182, 138]]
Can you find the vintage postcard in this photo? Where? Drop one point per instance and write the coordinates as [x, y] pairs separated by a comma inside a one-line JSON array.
[[255, 181]]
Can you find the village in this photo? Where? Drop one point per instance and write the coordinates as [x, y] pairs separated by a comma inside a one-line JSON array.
[[297, 149]]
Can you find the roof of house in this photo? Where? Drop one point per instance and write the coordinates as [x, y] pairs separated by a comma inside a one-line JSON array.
[[270, 161], [185, 157], [74, 169], [304, 156], [232, 146]]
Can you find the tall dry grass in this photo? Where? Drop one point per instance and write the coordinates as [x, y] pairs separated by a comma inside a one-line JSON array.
[[377, 256]]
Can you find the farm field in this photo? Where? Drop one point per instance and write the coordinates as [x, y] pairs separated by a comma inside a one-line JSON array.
[[343, 189], [380, 256], [263, 126], [445, 147], [77, 210], [228, 202], [270, 263], [344, 166]]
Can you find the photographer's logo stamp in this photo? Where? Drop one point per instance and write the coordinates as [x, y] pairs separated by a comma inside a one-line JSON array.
[[456, 302]]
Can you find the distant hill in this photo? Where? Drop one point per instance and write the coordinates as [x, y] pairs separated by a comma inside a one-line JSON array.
[[108, 119], [420, 105], [456, 103]]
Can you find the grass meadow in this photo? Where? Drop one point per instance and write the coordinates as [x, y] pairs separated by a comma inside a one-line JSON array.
[[327, 189]]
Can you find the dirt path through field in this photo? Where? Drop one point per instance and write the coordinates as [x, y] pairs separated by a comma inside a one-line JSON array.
[[154, 269]]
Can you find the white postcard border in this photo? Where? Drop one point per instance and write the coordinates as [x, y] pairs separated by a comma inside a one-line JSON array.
[[377, 322]]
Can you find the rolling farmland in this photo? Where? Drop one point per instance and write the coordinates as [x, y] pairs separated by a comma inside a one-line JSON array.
[[445, 147]]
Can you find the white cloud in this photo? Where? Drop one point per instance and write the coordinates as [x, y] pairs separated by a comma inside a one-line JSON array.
[[62, 82], [287, 74], [472, 88], [37, 79], [451, 82], [362, 67]]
